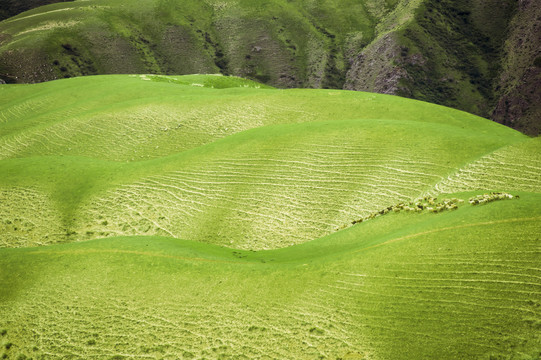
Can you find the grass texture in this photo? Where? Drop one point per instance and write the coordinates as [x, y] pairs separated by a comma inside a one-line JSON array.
[[197, 217]]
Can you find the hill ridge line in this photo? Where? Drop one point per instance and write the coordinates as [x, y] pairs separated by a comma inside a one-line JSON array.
[[134, 252], [200, 259]]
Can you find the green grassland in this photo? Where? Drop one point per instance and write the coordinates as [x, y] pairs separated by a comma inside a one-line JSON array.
[[174, 158], [199, 216], [461, 284]]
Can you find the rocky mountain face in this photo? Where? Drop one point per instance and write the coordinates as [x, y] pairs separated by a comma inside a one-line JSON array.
[[481, 56]]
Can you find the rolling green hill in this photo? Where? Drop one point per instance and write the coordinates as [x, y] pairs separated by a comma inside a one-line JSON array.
[[209, 216], [457, 53], [172, 158], [461, 284]]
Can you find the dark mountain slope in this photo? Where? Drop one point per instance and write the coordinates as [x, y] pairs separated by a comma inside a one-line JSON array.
[[478, 56], [519, 83], [286, 44], [9, 8], [446, 56]]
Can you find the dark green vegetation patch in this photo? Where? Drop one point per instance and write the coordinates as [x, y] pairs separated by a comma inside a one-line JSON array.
[[9, 8]]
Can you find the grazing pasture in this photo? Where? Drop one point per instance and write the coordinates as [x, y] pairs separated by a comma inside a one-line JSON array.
[[207, 216]]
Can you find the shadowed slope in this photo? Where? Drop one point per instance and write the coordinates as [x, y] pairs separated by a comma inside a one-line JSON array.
[[10, 8], [285, 43]]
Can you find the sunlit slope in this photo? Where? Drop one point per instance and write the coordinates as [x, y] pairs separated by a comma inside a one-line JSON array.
[[123, 118], [268, 187], [514, 167], [284, 185], [224, 161], [462, 284]]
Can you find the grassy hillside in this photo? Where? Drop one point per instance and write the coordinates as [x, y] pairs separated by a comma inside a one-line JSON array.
[[209, 216], [461, 284], [166, 158], [461, 54]]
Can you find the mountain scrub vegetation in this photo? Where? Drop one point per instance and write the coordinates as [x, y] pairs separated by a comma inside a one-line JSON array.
[[480, 56], [271, 179]]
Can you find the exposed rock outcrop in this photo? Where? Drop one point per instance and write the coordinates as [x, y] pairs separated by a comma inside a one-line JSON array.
[[378, 68]]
